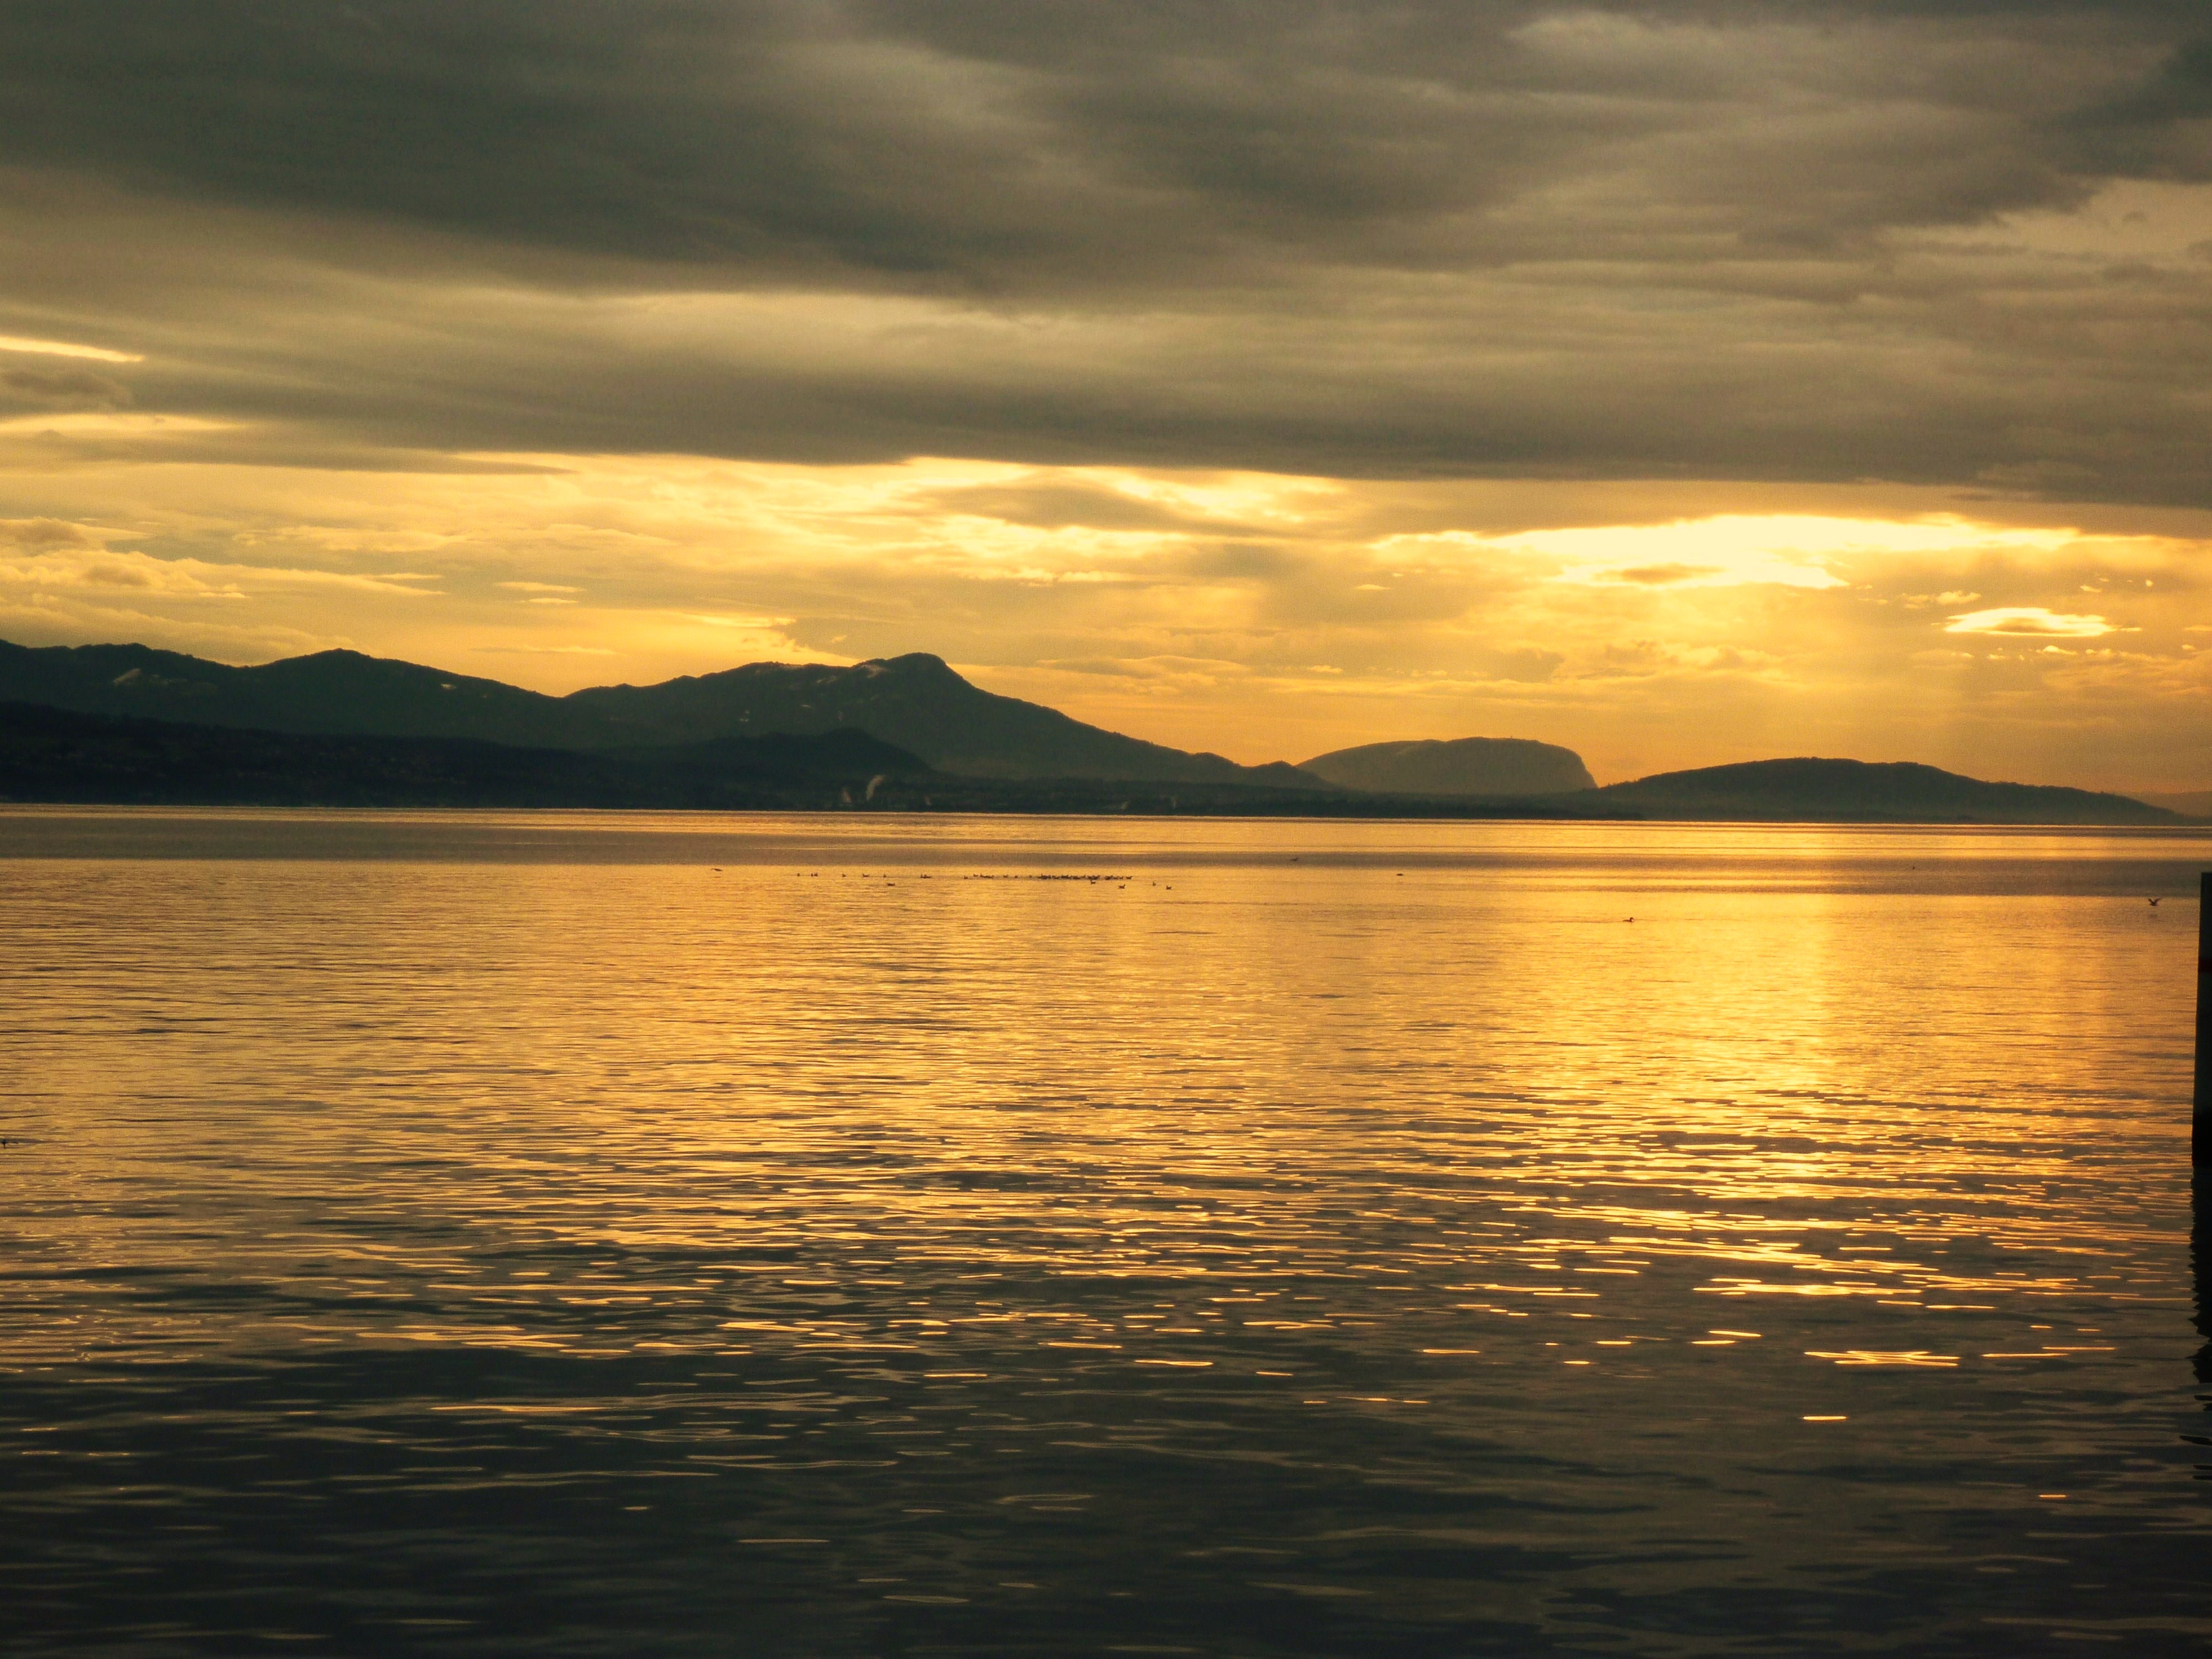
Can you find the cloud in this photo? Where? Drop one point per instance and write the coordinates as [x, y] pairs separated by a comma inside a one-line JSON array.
[[2033, 621], [996, 144], [48, 533], [92, 435], [1660, 575], [65, 349], [89, 564], [1726, 550], [1061, 506], [1340, 611], [103, 570], [749, 622], [64, 389], [1651, 378], [1347, 238], [548, 650]]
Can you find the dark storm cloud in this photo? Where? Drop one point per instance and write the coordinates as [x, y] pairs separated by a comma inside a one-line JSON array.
[[1464, 236], [993, 145]]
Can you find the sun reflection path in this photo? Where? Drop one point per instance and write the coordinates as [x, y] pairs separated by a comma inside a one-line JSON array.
[[1432, 1235]]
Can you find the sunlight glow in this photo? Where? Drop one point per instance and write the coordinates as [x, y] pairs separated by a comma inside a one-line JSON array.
[[2033, 621], [1740, 549], [1263, 618], [92, 423], [64, 349]]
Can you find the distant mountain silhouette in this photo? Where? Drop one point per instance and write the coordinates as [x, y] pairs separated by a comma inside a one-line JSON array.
[[918, 703], [129, 723], [1843, 791], [914, 702], [332, 691], [1459, 766], [60, 756], [2189, 803], [57, 755]]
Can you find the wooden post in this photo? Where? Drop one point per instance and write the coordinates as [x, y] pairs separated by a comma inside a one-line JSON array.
[[2201, 1117], [2200, 1268], [2200, 1152]]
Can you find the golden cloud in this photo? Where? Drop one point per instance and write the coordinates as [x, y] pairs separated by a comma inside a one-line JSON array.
[[65, 349], [2033, 621]]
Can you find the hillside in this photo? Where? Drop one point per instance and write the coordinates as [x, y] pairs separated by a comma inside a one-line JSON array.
[[916, 703], [2189, 803], [1460, 766], [774, 733], [57, 755], [1844, 790]]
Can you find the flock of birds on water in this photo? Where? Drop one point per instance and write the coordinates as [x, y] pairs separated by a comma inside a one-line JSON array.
[[1124, 881]]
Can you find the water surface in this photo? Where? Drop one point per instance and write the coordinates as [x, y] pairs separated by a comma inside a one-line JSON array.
[[565, 1233]]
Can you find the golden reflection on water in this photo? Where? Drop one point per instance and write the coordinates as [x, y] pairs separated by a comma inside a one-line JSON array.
[[1543, 1231]]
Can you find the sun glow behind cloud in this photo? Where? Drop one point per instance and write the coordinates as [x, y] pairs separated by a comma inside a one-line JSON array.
[[1682, 389], [1263, 616], [106, 429], [2031, 621], [66, 348], [1779, 548]]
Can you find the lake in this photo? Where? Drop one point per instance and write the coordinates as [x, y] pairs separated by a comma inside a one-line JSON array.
[[589, 1234]]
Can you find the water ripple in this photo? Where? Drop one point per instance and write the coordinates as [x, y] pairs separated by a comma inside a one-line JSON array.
[[557, 1233]]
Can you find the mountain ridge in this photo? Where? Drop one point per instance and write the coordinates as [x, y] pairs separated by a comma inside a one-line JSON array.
[[1816, 789], [2189, 803], [1456, 766], [917, 702], [658, 743], [58, 756], [49, 754]]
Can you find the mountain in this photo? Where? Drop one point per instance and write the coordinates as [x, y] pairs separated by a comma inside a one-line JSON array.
[[2191, 803], [57, 755], [1845, 791], [784, 734], [919, 703], [914, 702], [1460, 766], [332, 691]]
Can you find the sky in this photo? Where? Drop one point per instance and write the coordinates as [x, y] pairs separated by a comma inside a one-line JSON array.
[[1685, 382]]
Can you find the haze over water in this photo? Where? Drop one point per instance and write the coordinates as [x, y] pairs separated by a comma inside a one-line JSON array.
[[577, 1234]]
